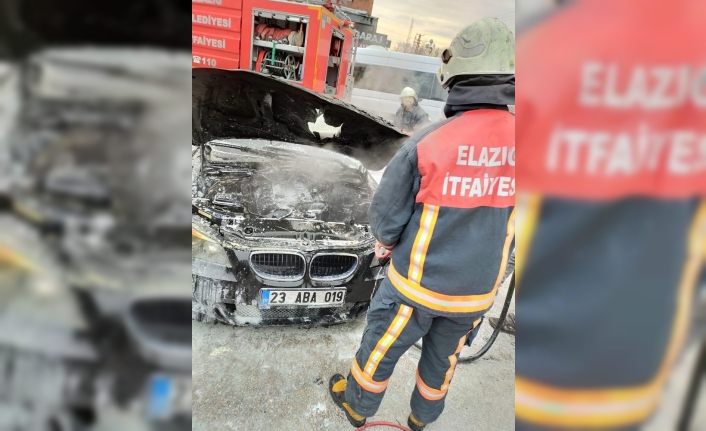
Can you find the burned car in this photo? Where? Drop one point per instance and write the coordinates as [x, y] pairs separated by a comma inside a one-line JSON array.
[[281, 186], [86, 144]]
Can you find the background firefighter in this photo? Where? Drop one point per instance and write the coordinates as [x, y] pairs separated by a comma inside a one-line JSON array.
[[410, 116], [451, 233]]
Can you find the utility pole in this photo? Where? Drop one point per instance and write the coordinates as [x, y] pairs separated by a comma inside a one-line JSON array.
[[409, 35]]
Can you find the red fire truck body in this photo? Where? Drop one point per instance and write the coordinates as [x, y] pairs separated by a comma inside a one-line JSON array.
[[303, 43]]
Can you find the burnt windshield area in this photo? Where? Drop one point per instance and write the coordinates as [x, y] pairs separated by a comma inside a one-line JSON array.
[[28, 25]]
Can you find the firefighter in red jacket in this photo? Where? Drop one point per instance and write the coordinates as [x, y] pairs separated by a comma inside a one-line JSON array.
[[445, 211], [610, 243]]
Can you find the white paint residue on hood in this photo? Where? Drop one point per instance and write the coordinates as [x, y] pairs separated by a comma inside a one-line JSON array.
[[323, 130]]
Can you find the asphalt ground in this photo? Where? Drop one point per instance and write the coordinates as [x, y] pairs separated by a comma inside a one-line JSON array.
[[276, 378]]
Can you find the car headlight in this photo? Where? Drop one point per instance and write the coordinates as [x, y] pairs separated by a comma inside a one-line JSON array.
[[13, 259], [208, 249]]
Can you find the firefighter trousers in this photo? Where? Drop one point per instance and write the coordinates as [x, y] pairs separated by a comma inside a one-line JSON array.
[[392, 328]]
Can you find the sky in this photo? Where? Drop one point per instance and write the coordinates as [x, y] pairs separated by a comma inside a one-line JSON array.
[[439, 20]]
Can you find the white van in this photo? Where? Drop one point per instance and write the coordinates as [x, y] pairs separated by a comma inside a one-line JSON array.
[[380, 75]]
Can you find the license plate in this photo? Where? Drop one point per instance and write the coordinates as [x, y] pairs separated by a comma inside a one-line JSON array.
[[161, 392], [302, 297], [167, 395]]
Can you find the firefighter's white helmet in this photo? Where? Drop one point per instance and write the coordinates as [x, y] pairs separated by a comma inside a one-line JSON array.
[[408, 92], [486, 47]]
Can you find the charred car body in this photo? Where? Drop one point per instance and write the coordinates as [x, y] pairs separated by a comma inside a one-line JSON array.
[[85, 156], [281, 188]]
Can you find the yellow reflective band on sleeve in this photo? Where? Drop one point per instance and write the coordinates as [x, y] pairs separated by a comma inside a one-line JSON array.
[[509, 236], [529, 211], [421, 242]]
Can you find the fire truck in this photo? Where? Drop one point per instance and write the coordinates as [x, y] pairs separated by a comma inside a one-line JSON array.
[[302, 42]]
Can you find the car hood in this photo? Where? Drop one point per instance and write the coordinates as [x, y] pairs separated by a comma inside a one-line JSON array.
[[248, 105]]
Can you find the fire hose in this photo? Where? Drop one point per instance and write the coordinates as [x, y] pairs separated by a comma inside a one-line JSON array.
[[501, 321]]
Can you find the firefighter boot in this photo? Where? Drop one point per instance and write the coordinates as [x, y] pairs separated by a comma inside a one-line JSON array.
[[337, 389], [414, 423]]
